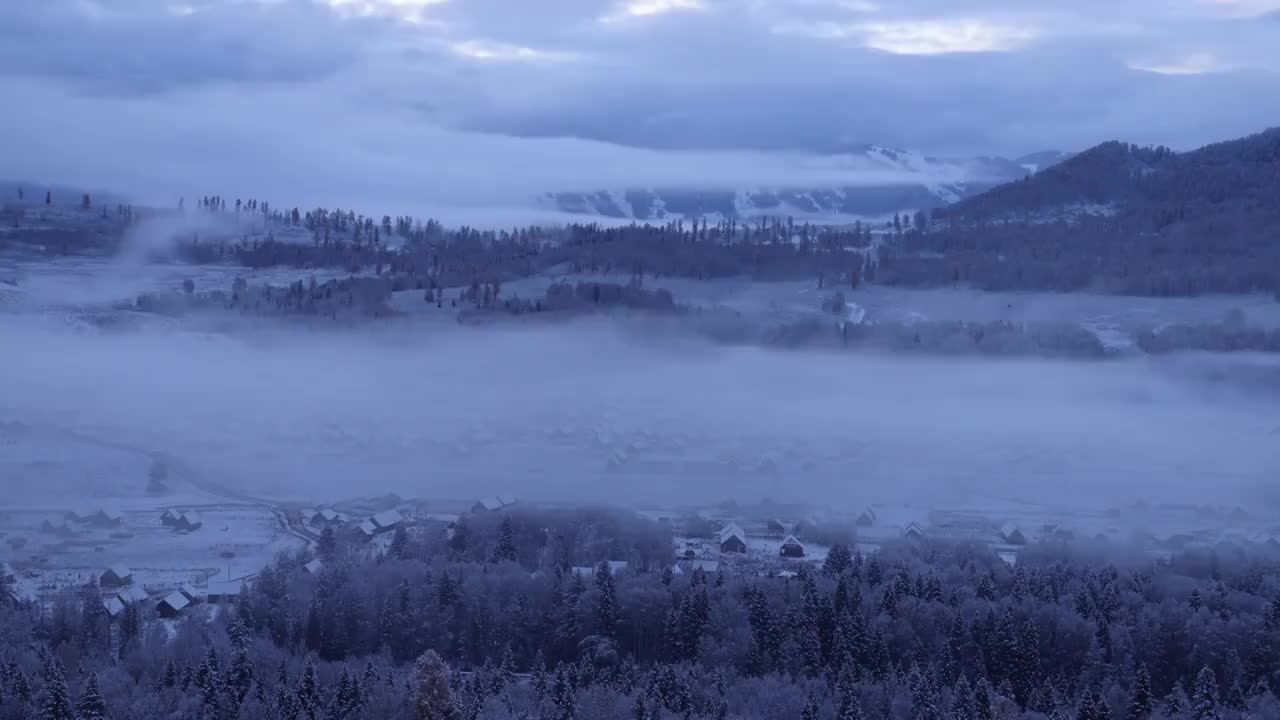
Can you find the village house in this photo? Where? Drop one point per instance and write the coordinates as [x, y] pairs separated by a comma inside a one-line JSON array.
[[323, 517], [223, 591], [493, 504], [1012, 535], [775, 527], [732, 539], [107, 517], [913, 531], [132, 594], [113, 606], [80, 515], [116, 576], [184, 520], [172, 605], [866, 518], [55, 525], [7, 573], [791, 548]]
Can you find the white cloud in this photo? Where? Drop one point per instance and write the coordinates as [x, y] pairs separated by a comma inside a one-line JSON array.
[[505, 52], [1194, 64], [937, 37], [651, 8]]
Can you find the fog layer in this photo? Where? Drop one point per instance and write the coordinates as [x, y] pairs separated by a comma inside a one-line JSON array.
[[591, 411]]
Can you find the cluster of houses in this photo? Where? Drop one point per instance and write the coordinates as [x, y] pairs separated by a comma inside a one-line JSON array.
[[120, 591], [68, 523], [381, 523], [181, 520]]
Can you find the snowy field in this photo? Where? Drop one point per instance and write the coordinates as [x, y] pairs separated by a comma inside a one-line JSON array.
[[585, 410], [1114, 318], [29, 282]]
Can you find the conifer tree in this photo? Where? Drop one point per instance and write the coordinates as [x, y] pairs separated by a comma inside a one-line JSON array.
[[505, 550], [1204, 698], [1140, 700], [607, 603], [56, 703], [91, 705]]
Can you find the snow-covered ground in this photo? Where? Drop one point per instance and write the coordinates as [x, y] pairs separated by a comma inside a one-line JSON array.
[[1114, 319]]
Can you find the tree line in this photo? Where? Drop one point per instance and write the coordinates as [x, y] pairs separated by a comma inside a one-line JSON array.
[[498, 619]]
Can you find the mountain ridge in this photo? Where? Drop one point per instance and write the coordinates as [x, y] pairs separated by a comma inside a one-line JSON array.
[[941, 182]]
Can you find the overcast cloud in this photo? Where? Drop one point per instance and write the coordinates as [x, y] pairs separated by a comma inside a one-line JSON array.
[[490, 99]]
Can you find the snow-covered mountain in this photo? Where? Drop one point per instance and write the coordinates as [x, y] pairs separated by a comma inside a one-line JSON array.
[[918, 182]]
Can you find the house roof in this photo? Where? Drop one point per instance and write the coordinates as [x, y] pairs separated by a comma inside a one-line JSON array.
[[314, 567], [497, 502], [386, 519], [176, 601], [224, 587], [190, 592], [791, 540], [6, 570], [119, 571], [367, 527], [191, 517], [113, 606], [131, 594], [732, 530], [1009, 528]]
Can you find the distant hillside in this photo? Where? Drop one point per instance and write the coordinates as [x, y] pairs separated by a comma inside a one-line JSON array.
[[1239, 175], [1120, 218], [941, 182]]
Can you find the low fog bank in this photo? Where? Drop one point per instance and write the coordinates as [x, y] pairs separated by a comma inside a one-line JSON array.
[[592, 412]]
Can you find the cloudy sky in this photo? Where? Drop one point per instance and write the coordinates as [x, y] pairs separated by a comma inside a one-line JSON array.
[[463, 98]]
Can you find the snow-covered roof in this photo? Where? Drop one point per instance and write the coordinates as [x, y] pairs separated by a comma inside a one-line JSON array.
[[326, 514], [1008, 556], [732, 530], [111, 514], [190, 592], [6, 570], [192, 517], [113, 606], [387, 519], [132, 594], [176, 600], [120, 571], [677, 570], [497, 502], [912, 528], [314, 567], [791, 540], [368, 528], [225, 588]]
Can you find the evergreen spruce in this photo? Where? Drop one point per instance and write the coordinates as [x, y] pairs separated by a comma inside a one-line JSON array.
[[91, 705]]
